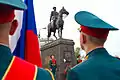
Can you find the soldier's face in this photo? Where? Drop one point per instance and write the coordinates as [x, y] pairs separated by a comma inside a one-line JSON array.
[[53, 57]]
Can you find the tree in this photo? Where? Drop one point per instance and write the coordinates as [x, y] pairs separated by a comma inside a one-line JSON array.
[[77, 50]]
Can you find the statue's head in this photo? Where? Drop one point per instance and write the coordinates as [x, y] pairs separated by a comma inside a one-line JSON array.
[[63, 7], [54, 8]]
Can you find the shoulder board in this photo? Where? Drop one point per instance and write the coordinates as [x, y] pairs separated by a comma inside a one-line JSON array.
[[19, 69]]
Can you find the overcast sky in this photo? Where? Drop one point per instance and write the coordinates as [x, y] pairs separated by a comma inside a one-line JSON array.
[[108, 10]]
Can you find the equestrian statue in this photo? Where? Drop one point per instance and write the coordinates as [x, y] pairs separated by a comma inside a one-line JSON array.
[[56, 22]]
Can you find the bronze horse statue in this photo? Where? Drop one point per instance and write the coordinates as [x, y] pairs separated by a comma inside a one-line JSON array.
[[58, 24]]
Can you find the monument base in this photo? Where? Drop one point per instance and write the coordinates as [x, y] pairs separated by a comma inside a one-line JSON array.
[[63, 50]]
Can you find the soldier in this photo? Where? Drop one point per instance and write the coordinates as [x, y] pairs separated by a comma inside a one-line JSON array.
[[100, 65], [53, 16], [79, 60], [12, 67], [67, 68], [53, 65]]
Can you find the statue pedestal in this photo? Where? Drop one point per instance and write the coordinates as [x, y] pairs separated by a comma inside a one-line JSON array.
[[63, 50]]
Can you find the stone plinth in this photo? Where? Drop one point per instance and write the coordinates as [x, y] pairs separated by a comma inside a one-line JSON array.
[[63, 49]]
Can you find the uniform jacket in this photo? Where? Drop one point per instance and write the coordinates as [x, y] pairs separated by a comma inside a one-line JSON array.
[[14, 68], [99, 66]]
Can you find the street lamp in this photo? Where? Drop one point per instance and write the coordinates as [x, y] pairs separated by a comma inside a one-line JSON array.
[[39, 32]]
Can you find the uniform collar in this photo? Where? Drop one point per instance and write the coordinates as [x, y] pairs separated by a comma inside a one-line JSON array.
[[4, 51], [5, 58], [97, 51], [4, 44]]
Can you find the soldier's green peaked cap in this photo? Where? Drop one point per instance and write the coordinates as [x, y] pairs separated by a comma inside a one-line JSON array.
[[16, 4], [90, 20]]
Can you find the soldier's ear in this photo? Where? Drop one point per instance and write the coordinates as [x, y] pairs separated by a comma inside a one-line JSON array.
[[14, 26], [82, 38]]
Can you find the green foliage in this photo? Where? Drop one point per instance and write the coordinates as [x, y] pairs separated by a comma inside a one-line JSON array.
[[77, 50]]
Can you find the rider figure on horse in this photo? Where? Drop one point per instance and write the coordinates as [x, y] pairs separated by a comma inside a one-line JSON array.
[[53, 16], [56, 22]]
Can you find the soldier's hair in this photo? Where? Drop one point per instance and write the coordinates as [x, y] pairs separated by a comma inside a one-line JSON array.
[[96, 41], [51, 56]]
